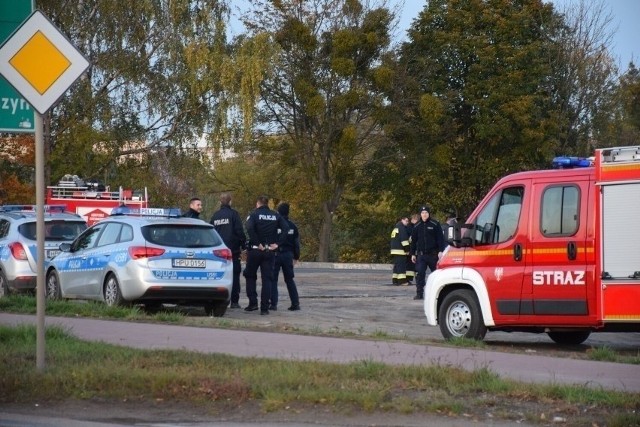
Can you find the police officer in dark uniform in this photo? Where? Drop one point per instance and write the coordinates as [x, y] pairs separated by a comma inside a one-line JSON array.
[[262, 228], [228, 224], [427, 244], [288, 253], [195, 208]]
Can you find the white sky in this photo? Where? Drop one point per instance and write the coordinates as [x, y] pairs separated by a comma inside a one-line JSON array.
[[626, 17]]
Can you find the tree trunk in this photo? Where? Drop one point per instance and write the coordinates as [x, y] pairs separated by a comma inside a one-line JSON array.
[[324, 239]]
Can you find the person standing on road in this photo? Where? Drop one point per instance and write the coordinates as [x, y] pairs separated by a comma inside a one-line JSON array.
[[399, 251], [287, 255], [411, 267], [262, 228], [228, 224], [195, 208], [427, 244]]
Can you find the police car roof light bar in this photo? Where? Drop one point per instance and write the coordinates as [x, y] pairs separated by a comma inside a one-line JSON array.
[[566, 162], [147, 212]]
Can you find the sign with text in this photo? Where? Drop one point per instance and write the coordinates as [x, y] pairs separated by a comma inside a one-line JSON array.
[[16, 115]]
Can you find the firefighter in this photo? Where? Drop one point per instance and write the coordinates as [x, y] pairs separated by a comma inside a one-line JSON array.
[[399, 251], [427, 244], [262, 228]]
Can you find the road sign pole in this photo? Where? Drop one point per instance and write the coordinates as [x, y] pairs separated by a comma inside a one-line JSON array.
[[40, 232]]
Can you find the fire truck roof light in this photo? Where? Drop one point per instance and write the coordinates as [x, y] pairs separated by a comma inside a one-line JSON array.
[[147, 212], [32, 208], [565, 162]]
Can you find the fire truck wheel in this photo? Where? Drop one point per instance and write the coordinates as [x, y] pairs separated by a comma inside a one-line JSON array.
[[460, 316], [215, 309], [52, 290], [4, 285], [112, 293], [569, 337]]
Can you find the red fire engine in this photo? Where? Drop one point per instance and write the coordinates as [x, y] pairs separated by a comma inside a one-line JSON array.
[[94, 205], [554, 251]]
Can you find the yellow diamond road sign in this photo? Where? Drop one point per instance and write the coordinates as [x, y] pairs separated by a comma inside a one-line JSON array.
[[40, 63]]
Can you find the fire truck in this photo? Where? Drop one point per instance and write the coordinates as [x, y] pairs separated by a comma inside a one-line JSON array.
[[551, 251], [94, 203]]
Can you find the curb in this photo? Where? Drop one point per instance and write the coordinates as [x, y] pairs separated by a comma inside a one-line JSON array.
[[344, 266]]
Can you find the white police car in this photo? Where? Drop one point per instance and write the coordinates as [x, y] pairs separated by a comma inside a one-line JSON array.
[[145, 256], [18, 245]]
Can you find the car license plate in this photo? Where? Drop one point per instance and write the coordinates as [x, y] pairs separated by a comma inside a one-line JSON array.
[[188, 263], [52, 252]]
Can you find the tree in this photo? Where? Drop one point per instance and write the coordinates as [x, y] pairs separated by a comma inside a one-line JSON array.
[[471, 100], [17, 158], [155, 81], [584, 75], [322, 94]]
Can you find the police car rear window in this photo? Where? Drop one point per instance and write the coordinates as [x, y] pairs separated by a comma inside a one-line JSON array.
[[54, 230], [184, 236]]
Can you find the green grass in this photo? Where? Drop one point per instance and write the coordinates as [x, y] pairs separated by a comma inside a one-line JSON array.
[[26, 304], [77, 369]]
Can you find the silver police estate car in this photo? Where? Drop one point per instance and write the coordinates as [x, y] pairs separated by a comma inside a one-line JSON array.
[[145, 256], [18, 245]]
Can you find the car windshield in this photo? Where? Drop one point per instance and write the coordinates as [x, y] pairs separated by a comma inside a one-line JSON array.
[[185, 236], [54, 230]]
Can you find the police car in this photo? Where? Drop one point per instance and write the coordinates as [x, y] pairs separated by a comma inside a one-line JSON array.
[[145, 256], [18, 245]]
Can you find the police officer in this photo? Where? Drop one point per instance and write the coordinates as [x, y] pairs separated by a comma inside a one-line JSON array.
[[287, 255], [427, 244], [262, 228], [195, 208], [228, 224], [399, 250]]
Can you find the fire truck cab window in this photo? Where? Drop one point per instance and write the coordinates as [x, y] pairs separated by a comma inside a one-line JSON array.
[[560, 211], [498, 221]]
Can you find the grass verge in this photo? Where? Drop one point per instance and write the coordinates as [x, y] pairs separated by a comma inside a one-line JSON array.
[[95, 371]]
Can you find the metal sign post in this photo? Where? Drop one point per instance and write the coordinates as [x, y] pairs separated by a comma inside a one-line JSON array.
[[41, 64]]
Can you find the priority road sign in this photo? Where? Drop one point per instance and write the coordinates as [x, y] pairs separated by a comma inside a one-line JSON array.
[[40, 63]]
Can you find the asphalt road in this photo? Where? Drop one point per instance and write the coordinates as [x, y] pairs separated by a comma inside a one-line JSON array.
[[358, 303]]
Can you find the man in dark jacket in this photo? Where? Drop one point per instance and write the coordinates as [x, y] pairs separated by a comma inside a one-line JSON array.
[[228, 224], [287, 255], [195, 207], [262, 228], [427, 244]]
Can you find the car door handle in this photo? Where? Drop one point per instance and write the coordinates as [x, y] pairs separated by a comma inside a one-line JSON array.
[[572, 251], [517, 252]]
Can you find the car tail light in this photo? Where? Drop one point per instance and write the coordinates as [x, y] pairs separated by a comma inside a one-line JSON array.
[[137, 252], [223, 253], [18, 252]]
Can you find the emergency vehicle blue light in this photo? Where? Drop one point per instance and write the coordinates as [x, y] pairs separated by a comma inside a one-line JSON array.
[[565, 162], [148, 212]]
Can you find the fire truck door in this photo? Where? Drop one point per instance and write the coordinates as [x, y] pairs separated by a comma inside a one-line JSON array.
[[499, 252], [559, 275]]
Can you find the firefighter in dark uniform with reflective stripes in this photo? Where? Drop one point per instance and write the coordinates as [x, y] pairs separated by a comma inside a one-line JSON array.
[[411, 267], [399, 251], [427, 244], [262, 228]]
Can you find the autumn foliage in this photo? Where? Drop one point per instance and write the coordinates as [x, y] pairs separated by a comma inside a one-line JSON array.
[[17, 161]]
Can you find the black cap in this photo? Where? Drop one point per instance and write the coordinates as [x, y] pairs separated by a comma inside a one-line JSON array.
[[425, 208], [283, 209]]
